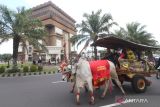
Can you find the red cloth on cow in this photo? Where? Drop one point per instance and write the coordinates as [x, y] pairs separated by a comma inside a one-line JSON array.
[[100, 71]]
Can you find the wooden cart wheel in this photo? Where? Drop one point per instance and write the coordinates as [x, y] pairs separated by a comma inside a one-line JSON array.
[[139, 84]]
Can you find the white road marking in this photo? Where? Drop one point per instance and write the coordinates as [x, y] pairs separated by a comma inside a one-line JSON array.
[[114, 104], [58, 82]]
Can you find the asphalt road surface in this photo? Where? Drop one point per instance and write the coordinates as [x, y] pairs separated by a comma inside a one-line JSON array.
[[50, 91]]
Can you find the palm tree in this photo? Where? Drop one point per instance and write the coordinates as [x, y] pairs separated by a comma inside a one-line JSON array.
[[91, 27], [120, 33], [136, 32], [19, 26]]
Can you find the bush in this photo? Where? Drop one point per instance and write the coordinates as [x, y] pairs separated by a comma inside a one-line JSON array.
[[40, 68], [33, 68], [53, 72], [25, 69], [2, 69], [13, 70], [3, 75], [40, 73], [24, 74], [19, 74]]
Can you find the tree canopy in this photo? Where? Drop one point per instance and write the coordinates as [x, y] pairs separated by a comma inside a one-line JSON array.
[[90, 28], [136, 32], [21, 27]]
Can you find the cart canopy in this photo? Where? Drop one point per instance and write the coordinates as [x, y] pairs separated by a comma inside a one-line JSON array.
[[113, 42]]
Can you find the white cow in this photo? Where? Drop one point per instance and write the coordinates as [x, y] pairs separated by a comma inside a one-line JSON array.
[[84, 75]]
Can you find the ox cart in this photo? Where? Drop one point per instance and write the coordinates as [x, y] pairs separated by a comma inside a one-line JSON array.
[[136, 76]]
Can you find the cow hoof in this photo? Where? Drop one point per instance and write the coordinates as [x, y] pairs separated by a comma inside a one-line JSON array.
[[102, 97], [77, 102], [91, 102]]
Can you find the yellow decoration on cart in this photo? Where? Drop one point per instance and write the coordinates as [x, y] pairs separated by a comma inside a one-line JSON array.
[[130, 54]]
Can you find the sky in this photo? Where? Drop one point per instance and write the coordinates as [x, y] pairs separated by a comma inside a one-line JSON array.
[[145, 12]]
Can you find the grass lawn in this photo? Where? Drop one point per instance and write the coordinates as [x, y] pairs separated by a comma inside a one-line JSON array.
[[3, 64], [19, 64]]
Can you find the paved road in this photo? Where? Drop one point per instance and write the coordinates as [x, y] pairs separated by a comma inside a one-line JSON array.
[[45, 91]]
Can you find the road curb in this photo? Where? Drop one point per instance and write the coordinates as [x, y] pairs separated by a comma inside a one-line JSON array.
[[25, 74]]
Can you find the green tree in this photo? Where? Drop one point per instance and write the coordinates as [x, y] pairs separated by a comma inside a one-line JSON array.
[[21, 27], [7, 58], [1, 58], [120, 33], [136, 32], [90, 28]]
